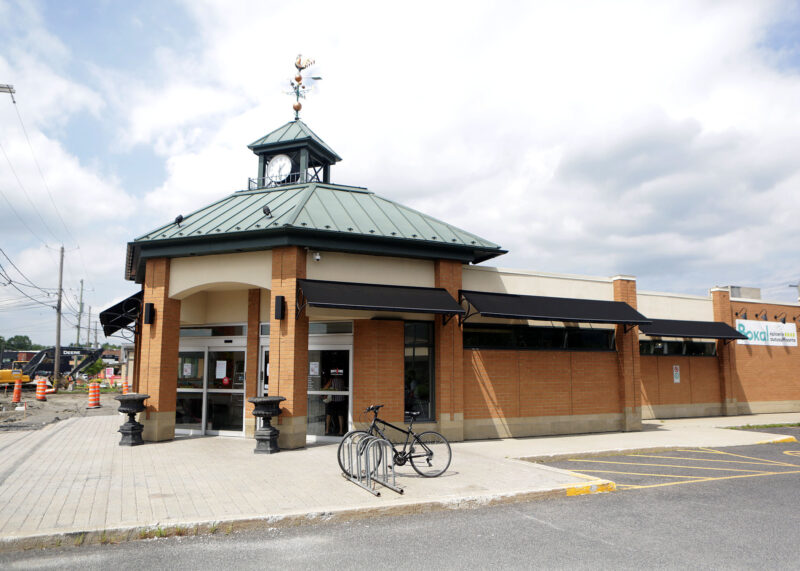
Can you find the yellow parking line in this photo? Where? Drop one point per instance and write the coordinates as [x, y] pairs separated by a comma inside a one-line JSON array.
[[632, 487], [752, 458], [698, 459], [646, 474], [665, 465]]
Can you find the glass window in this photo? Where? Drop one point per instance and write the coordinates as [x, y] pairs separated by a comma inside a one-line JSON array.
[[189, 411], [419, 378], [522, 337], [225, 411], [226, 370], [701, 349], [688, 348], [190, 369]]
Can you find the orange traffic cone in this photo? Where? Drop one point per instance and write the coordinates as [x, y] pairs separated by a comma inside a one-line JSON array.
[[41, 387], [17, 392], [94, 395], [124, 386]]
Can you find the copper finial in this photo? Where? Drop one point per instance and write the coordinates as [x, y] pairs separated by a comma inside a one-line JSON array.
[[297, 85]]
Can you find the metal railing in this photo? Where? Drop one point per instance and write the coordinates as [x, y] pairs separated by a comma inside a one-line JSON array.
[[367, 460]]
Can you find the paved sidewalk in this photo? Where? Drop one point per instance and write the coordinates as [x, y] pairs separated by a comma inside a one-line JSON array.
[[72, 477]]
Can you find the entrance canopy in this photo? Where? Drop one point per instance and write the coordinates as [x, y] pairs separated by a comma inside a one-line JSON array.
[[121, 315], [691, 329], [371, 297], [539, 308]]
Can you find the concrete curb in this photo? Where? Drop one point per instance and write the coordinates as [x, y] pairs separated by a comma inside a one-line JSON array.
[[783, 440], [95, 536]]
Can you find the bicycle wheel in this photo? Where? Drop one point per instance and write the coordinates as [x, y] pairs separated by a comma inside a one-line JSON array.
[[345, 450], [430, 454]]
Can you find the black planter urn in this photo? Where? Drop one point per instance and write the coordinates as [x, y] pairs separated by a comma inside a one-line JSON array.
[[267, 435], [131, 404]]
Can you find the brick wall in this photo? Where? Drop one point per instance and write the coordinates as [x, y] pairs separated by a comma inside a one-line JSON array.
[[449, 346], [378, 368], [762, 373], [700, 382], [159, 341], [511, 384]]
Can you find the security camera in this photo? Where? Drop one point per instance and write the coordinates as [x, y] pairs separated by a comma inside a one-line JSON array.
[[316, 256]]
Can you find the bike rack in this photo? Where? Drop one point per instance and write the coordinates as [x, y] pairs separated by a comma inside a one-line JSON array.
[[368, 464]]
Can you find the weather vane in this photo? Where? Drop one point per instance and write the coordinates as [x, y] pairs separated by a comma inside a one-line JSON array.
[[298, 88]]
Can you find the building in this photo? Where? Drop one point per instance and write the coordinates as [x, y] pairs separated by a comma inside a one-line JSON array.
[[336, 298]]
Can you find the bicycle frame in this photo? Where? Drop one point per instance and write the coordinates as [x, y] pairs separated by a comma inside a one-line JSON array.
[[410, 435]]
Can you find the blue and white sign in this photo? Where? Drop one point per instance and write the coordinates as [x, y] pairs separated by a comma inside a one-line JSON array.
[[767, 333]]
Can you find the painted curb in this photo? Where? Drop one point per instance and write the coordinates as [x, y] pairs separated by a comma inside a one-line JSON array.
[[780, 440]]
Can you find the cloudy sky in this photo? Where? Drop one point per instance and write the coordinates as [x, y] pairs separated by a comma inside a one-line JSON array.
[[658, 139]]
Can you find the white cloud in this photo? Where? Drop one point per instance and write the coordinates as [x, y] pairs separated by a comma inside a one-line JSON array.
[[655, 139]]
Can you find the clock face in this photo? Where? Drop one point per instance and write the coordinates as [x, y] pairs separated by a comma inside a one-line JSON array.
[[279, 168]]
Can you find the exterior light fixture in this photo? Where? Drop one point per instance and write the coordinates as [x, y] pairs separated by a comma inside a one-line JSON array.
[[179, 219], [762, 315], [742, 313], [267, 212], [781, 317]]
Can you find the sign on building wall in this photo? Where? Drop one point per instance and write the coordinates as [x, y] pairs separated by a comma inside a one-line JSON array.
[[676, 373], [767, 333]]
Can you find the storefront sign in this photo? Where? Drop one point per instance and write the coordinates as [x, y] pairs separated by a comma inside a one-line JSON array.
[[313, 369], [187, 369], [767, 333], [336, 372], [676, 373]]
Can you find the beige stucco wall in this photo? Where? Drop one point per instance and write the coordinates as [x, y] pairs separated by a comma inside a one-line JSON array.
[[339, 267], [215, 307], [657, 305], [240, 271], [522, 282]]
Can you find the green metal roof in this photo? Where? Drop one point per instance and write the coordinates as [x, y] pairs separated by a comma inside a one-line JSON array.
[[292, 132], [324, 216]]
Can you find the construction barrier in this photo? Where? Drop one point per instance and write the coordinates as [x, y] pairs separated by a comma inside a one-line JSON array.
[[124, 386], [94, 395], [17, 392], [51, 388], [41, 388]]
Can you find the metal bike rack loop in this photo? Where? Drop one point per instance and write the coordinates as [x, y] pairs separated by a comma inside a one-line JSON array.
[[368, 464]]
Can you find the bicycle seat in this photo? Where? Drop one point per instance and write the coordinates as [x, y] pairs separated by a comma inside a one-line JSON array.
[[413, 414]]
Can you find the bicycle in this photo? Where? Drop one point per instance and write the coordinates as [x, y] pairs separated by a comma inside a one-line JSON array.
[[429, 452]]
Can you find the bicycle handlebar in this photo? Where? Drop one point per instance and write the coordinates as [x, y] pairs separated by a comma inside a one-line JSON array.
[[374, 407]]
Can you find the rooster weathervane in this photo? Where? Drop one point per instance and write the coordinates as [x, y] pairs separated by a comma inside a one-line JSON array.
[[298, 88]]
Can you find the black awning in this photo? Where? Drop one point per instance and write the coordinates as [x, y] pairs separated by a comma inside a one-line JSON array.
[[510, 306], [371, 297], [691, 329], [121, 315]]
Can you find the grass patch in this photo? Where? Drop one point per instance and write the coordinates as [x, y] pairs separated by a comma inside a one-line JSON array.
[[752, 426], [79, 540]]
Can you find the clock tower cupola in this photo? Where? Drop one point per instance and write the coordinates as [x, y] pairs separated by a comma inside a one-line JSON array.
[[293, 153]]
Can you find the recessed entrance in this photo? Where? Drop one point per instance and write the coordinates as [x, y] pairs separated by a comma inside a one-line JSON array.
[[328, 392], [211, 387]]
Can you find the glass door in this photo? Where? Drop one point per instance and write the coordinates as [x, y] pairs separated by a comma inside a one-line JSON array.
[[191, 388], [328, 393], [225, 378]]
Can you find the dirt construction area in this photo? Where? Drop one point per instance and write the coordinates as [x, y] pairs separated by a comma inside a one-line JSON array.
[[59, 406]]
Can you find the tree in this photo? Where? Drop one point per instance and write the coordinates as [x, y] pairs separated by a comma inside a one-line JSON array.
[[19, 343], [95, 367]]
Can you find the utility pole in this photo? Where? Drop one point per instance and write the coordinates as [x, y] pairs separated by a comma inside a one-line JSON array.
[[95, 336], [80, 312], [89, 327], [57, 356]]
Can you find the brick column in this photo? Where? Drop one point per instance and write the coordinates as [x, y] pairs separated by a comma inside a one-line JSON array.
[[721, 300], [288, 347], [158, 365], [449, 358], [251, 376], [630, 375]]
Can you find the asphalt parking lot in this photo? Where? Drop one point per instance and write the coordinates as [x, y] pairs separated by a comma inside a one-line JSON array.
[[692, 466]]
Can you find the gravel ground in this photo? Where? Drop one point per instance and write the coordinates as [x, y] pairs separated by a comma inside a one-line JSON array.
[[58, 406]]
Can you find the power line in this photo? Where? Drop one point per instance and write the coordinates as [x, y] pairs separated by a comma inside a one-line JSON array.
[[10, 261], [25, 192]]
